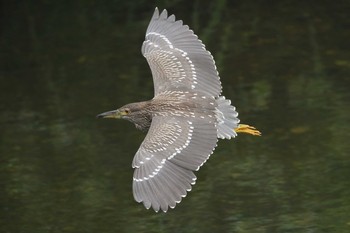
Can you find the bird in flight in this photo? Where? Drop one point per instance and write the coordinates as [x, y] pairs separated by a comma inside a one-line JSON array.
[[184, 119]]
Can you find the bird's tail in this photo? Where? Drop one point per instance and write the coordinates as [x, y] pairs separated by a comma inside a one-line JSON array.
[[226, 116]]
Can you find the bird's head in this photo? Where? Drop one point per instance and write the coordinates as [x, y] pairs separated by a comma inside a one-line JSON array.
[[116, 114], [127, 112], [124, 112], [136, 113]]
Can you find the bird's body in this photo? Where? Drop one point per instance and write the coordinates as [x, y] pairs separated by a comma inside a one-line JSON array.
[[184, 119]]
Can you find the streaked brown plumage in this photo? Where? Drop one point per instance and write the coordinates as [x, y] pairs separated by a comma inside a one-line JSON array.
[[184, 119]]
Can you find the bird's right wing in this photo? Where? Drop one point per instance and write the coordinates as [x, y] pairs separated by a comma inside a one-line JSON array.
[[178, 59], [173, 148]]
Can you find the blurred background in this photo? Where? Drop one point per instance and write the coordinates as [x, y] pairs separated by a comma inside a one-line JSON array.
[[284, 64]]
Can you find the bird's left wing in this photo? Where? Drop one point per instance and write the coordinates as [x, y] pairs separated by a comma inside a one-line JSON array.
[[177, 58], [173, 148]]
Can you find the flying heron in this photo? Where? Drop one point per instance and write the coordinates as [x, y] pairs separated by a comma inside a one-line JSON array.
[[184, 119]]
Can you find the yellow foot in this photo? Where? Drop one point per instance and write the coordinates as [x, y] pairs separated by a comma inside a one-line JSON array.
[[247, 129]]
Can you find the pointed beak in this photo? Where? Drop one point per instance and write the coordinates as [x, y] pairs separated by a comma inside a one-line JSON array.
[[111, 114]]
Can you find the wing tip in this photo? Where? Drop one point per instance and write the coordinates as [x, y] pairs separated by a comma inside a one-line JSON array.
[[156, 13], [164, 14]]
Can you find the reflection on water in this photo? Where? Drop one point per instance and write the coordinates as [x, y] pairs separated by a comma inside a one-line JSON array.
[[286, 67]]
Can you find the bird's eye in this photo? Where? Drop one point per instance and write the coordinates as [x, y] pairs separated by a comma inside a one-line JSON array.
[[127, 111]]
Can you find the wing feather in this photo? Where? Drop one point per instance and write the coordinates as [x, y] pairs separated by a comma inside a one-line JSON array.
[[177, 58], [164, 174]]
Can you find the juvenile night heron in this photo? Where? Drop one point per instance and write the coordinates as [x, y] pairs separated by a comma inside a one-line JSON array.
[[184, 119]]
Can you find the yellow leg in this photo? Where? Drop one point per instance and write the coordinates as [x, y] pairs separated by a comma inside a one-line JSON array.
[[242, 128]]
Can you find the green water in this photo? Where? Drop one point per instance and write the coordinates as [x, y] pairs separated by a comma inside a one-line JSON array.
[[285, 65]]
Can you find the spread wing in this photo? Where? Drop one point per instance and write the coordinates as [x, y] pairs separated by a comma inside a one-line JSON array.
[[177, 58], [173, 148]]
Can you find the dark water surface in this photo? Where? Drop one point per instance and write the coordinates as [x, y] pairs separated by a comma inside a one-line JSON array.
[[285, 66]]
